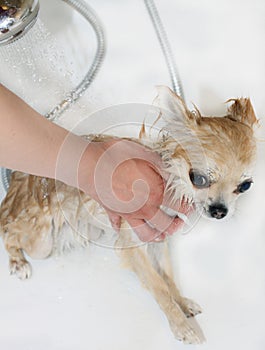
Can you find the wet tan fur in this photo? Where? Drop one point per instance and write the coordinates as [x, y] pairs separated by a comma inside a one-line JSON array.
[[32, 220]]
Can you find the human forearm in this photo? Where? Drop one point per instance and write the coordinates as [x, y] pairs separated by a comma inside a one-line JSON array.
[[121, 175], [30, 143]]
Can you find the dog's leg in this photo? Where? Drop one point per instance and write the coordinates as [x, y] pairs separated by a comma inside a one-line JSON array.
[[137, 260], [32, 236], [17, 262], [26, 221], [160, 258]]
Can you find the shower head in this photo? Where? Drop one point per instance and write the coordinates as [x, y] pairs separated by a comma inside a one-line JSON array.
[[16, 18]]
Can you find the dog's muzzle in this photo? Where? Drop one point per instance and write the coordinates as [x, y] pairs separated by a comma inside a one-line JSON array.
[[218, 211]]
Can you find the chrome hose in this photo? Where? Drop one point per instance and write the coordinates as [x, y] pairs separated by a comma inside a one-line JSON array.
[[165, 46], [88, 13], [5, 177]]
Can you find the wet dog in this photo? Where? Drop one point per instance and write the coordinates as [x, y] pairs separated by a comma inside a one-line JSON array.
[[209, 161]]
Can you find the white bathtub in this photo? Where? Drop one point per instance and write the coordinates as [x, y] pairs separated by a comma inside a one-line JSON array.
[[85, 300]]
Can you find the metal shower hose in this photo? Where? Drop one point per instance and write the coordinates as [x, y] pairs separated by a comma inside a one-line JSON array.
[[88, 13]]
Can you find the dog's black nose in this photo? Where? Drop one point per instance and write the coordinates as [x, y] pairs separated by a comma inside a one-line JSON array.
[[218, 211]]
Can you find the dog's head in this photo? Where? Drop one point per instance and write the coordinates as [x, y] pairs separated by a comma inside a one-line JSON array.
[[210, 159]]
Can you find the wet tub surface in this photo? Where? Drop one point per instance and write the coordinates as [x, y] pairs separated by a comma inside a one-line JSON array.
[[85, 300]]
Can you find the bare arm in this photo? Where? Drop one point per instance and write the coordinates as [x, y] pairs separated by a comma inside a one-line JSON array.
[[129, 187], [29, 142]]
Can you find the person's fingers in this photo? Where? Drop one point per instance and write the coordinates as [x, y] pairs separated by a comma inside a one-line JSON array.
[[181, 206], [145, 232], [164, 223], [175, 226]]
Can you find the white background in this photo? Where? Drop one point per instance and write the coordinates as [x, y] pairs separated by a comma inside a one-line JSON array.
[[85, 300]]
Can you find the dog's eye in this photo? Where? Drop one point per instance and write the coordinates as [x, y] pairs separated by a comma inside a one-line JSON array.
[[244, 186], [199, 180]]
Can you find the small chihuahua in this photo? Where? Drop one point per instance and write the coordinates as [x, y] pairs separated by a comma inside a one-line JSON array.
[[209, 161]]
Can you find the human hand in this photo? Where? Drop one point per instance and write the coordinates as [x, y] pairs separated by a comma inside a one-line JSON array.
[[127, 180], [123, 176]]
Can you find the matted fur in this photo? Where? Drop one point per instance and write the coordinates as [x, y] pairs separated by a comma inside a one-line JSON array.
[[40, 216]]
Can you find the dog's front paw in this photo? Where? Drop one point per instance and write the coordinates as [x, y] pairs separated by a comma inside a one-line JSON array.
[[21, 268], [185, 332], [190, 308]]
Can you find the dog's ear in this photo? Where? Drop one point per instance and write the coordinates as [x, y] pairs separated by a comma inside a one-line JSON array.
[[241, 110], [168, 100]]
